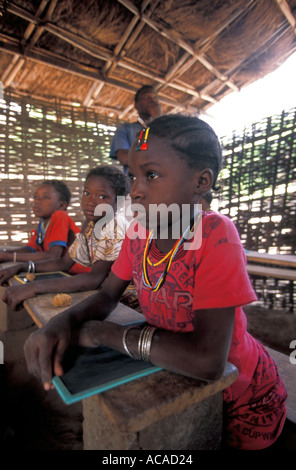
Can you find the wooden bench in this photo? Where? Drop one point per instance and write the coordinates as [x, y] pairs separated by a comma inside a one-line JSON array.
[[288, 261], [268, 271], [287, 371], [274, 271]]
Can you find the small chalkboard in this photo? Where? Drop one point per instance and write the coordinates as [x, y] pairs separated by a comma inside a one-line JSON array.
[[21, 277], [95, 370]]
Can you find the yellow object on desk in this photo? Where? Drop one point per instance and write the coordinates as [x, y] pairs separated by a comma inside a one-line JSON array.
[[61, 300]]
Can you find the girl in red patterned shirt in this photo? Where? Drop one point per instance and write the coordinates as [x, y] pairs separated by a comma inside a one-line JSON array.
[[191, 289]]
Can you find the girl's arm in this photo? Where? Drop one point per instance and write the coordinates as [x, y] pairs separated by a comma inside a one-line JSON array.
[[58, 264], [14, 295], [63, 263], [201, 354], [8, 255], [26, 255], [44, 349]]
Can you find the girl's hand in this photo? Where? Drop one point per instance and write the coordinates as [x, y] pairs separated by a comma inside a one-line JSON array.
[[7, 273], [15, 295], [45, 349]]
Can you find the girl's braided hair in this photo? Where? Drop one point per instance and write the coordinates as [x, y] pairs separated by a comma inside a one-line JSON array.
[[193, 139], [114, 176]]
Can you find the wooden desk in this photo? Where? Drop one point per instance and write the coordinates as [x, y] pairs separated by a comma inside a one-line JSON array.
[[41, 310], [265, 258], [271, 271], [160, 411], [268, 271]]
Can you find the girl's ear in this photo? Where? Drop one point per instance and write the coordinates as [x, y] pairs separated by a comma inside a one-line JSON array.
[[63, 206], [205, 179]]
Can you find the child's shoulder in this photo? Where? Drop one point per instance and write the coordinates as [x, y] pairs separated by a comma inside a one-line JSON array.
[[218, 224], [215, 217], [63, 217], [60, 215]]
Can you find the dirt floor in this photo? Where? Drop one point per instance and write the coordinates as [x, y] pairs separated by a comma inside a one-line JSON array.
[[32, 419]]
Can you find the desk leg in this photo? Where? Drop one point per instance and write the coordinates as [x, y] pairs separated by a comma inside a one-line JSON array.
[[198, 427]]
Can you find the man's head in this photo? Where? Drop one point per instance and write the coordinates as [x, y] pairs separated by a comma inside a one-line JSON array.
[[147, 103]]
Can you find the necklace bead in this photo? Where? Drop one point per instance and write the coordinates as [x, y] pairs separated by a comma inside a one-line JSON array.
[[170, 256]]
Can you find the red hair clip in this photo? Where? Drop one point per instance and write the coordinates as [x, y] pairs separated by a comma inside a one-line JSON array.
[[144, 145]]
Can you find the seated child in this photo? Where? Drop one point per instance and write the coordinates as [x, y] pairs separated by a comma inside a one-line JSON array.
[[56, 230], [102, 186], [191, 291]]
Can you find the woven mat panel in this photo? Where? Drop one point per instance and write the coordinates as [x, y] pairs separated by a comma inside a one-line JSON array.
[[258, 183], [42, 141], [258, 192], [274, 293]]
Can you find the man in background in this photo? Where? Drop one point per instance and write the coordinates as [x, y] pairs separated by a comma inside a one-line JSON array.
[[148, 108]]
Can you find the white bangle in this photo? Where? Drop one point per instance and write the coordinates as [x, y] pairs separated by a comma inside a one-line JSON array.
[[124, 340], [31, 267], [145, 342]]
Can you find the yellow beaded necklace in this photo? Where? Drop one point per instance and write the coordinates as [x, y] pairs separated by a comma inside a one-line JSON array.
[[170, 256]]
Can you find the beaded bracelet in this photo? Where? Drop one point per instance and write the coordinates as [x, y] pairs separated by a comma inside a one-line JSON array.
[[124, 340]]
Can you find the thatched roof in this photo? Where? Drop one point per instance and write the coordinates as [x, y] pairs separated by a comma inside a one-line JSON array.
[[99, 52]]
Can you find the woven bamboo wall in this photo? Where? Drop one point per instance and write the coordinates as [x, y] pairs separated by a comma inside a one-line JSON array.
[[258, 192], [258, 183], [42, 141]]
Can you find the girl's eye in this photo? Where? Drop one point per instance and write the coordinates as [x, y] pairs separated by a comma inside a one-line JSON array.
[[151, 175], [131, 177], [102, 196], [85, 193]]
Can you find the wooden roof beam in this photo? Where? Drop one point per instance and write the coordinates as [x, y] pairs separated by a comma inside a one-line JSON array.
[[39, 30], [92, 93], [177, 39], [132, 32], [84, 44], [55, 60], [94, 50], [287, 12], [203, 45], [17, 63], [12, 70]]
